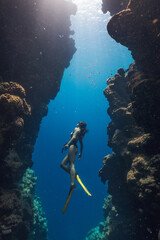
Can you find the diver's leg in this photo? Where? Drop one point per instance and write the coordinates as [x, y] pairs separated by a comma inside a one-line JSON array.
[[71, 156], [64, 164], [72, 173]]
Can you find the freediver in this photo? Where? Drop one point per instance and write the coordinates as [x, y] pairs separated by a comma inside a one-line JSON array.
[[77, 135]]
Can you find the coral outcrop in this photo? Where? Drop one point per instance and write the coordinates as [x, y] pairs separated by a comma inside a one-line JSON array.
[[112, 220], [39, 226], [138, 28], [35, 48], [133, 169], [96, 233]]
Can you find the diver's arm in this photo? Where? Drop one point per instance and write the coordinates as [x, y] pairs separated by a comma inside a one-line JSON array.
[[81, 148]]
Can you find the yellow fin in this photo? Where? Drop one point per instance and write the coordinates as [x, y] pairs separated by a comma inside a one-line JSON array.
[[68, 200], [82, 185]]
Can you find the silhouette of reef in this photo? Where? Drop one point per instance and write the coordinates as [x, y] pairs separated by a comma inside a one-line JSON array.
[[133, 168], [35, 48], [138, 28], [132, 212], [114, 6]]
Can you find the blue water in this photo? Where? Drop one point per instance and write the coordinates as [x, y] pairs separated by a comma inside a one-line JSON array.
[[80, 98]]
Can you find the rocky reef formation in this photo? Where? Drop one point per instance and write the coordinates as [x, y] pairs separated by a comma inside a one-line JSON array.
[[96, 233], [114, 6], [39, 226], [102, 231], [35, 48], [138, 28], [133, 169]]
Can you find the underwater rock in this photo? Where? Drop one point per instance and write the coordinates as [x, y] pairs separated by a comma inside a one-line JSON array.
[[21, 211], [96, 233], [113, 224], [14, 111], [34, 52], [39, 223], [114, 6], [138, 28], [39, 228], [132, 170], [14, 221]]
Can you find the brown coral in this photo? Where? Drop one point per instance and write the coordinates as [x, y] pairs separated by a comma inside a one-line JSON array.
[[132, 170], [14, 109], [138, 28], [33, 59]]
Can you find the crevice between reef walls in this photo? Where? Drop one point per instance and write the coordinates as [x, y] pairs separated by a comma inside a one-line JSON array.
[[35, 48], [132, 210]]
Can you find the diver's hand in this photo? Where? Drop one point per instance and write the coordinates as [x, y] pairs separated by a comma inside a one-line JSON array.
[[65, 147], [79, 156]]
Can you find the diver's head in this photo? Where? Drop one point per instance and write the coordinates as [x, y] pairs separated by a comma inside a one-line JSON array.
[[82, 124]]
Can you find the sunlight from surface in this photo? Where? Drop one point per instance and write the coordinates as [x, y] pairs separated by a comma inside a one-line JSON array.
[[81, 97], [89, 25], [90, 9], [82, 3]]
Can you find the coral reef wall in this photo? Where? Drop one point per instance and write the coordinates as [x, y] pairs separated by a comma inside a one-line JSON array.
[[114, 6], [133, 169], [138, 28], [35, 48]]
